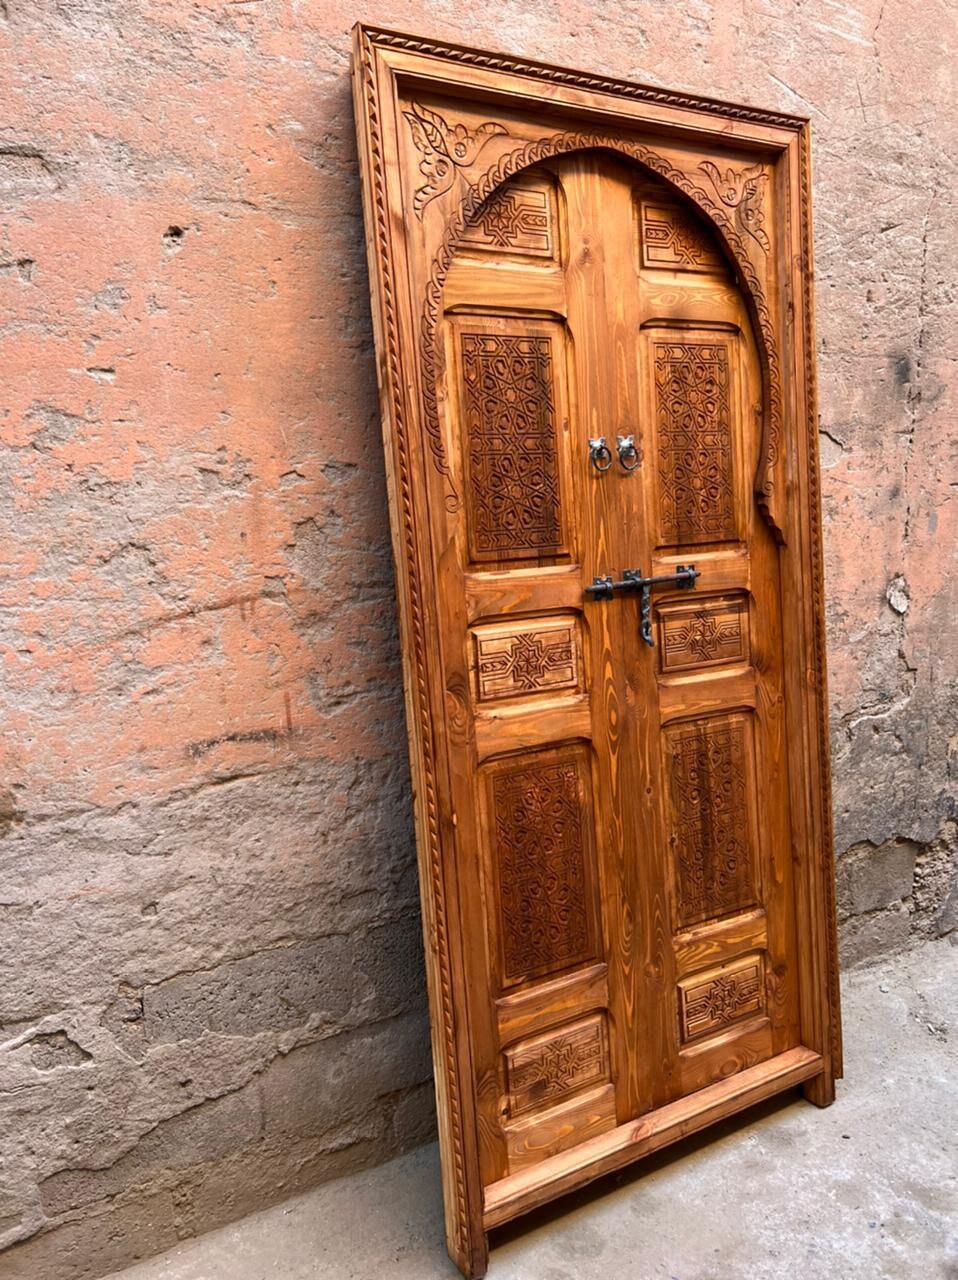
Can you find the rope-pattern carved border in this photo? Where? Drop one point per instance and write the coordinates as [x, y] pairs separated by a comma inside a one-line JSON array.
[[420, 694], [581, 80], [561, 144]]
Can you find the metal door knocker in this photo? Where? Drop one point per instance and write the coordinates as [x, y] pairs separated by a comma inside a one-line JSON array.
[[600, 455], [628, 454]]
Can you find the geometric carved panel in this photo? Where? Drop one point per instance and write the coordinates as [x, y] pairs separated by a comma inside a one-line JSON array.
[[517, 219], [694, 442], [709, 765], [546, 1069], [542, 860], [704, 634], [510, 427], [708, 1004], [671, 239], [526, 657]]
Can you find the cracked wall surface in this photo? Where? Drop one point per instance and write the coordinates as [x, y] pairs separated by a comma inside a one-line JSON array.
[[212, 989]]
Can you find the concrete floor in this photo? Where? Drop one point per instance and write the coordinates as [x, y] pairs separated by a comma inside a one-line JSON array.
[[864, 1190]]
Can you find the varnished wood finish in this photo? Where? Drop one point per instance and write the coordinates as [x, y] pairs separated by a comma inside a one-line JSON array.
[[624, 851]]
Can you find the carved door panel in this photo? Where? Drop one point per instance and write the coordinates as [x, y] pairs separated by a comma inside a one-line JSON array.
[[621, 804]]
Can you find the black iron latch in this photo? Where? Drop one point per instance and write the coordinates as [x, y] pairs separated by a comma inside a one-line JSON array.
[[633, 580]]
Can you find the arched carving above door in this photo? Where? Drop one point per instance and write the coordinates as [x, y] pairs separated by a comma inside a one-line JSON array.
[[736, 214]]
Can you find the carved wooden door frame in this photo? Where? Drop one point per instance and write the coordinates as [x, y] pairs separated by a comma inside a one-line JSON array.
[[754, 190]]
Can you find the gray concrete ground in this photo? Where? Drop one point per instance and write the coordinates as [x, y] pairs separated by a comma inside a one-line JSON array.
[[864, 1190]]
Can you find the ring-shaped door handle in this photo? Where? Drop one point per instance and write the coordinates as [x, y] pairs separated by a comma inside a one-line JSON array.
[[600, 455], [629, 457]]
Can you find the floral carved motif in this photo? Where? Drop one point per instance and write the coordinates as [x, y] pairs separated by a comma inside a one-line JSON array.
[[445, 148], [543, 1071], [510, 428], [694, 441], [743, 192], [540, 861], [710, 820]]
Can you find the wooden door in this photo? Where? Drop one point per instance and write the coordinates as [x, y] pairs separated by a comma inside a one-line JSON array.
[[621, 806]]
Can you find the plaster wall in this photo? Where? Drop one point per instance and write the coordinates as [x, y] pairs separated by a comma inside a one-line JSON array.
[[211, 992]]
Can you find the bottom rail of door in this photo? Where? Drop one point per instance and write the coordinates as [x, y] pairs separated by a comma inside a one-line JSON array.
[[520, 1192]]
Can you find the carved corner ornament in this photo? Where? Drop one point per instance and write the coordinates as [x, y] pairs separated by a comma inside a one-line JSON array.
[[444, 148], [742, 191]]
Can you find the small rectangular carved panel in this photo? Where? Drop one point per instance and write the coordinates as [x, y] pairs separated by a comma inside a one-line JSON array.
[[709, 767], [548, 1068], [518, 219], [671, 238], [712, 1002], [694, 444], [543, 855], [703, 633], [535, 656], [509, 411]]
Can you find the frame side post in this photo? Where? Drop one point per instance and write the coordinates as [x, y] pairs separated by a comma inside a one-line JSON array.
[[821, 1090], [462, 1191]]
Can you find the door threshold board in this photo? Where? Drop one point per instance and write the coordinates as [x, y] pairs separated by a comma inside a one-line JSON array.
[[520, 1192]]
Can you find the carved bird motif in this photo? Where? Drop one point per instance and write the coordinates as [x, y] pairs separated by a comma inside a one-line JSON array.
[[743, 193], [445, 148]]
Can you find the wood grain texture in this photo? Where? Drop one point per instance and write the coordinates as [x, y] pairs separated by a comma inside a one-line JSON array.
[[621, 946], [710, 766]]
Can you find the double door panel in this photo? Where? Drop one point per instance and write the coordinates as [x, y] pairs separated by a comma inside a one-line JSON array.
[[621, 808]]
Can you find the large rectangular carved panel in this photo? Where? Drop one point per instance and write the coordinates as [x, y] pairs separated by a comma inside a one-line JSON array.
[[549, 1068], [694, 442], [672, 239], [703, 632], [711, 1002], [525, 657], [510, 425], [517, 220], [542, 863], [709, 767]]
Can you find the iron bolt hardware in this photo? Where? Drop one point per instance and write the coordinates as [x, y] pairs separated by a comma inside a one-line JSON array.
[[605, 588]]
